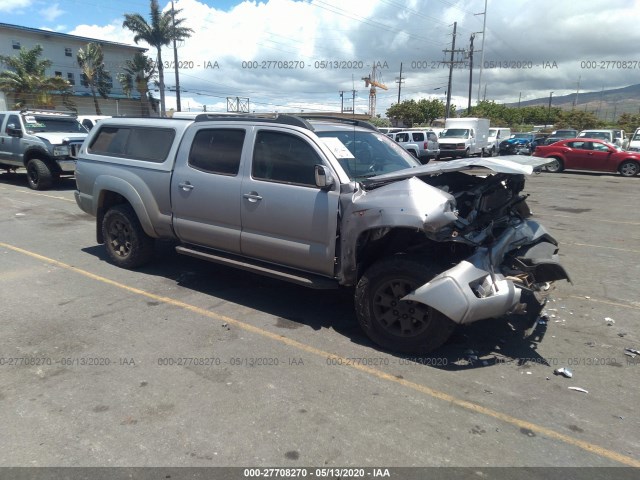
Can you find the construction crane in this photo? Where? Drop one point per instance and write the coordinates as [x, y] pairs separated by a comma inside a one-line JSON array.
[[373, 81]]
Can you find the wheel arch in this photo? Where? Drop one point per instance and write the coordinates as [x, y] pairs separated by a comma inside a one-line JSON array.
[[41, 154], [376, 243], [110, 191], [627, 160]]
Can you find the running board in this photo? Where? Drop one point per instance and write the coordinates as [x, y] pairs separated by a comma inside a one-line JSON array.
[[281, 273]]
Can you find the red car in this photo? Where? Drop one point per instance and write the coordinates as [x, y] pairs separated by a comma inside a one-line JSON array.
[[589, 154]]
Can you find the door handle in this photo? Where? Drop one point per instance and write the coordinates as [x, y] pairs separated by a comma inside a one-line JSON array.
[[186, 186], [252, 197]]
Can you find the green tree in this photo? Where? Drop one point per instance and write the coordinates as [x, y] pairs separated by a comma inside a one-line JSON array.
[[431, 109], [629, 122], [578, 119], [380, 122], [162, 29], [95, 75], [26, 80], [408, 111], [138, 72]]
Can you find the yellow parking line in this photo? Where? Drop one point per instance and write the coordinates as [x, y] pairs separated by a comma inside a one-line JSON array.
[[445, 397], [28, 192]]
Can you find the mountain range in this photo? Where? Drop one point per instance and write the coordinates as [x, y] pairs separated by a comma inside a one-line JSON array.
[[605, 104]]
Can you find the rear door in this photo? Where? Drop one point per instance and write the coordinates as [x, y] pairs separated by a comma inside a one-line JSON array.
[[205, 189], [286, 219]]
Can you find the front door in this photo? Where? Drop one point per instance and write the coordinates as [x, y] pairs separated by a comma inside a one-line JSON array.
[[286, 218]]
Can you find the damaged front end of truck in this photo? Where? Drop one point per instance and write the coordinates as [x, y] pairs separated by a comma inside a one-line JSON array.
[[444, 245]]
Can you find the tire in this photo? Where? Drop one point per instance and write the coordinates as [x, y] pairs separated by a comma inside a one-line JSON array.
[[466, 153], [629, 168], [124, 239], [380, 313], [39, 175], [556, 167]]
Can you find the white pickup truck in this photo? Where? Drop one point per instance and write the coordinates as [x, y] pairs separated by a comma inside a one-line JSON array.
[[325, 203]]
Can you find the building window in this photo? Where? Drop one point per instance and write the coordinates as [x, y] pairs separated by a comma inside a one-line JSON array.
[[71, 79], [58, 74], [67, 52], [16, 45], [84, 81]]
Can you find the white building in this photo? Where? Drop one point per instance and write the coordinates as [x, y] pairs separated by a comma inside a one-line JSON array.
[[61, 49]]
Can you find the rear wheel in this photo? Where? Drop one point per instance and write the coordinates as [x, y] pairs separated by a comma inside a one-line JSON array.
[[403, 326], [629, 168], [39, 175], [126, 243], [555, 166]]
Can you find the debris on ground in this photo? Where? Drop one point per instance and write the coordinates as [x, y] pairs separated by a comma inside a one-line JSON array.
[[610, 321], [578, 389], [471, 355], [631, 352], [565, 372]]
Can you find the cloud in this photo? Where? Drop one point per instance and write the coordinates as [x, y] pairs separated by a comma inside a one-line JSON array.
[[14, 5], [52, 12], [301, 54]]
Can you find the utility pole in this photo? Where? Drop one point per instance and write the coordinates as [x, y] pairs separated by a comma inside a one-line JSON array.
[[175, 58], [575, 102], [400, 82], [549, 112], [484, 26], [341, 101], [473, 35], [451, 62]]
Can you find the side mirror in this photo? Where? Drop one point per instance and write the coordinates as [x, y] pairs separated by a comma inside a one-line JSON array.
[[324, 179], [12, 131]]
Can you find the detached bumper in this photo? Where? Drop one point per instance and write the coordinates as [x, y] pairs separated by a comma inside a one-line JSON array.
[[465, 294], [473, 290]]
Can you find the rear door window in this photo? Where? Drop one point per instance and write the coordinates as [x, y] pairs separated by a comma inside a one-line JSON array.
[[217, 150]]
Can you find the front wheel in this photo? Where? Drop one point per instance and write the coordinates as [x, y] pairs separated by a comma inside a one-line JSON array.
[[629, 168], [39, 175], [555, 166], [402, 326], [126, 243]]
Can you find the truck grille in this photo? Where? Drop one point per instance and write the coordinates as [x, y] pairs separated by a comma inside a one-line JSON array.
[[74, 149]]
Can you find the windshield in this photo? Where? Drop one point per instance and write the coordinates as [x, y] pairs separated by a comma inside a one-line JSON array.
[[367, 154], [600, 135], [36, 124], [454, 133]]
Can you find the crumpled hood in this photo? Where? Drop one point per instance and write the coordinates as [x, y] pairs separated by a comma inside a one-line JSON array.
[[511, 164], [58, 138]]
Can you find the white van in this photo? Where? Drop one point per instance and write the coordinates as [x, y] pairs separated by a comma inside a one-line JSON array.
[[496, 135]]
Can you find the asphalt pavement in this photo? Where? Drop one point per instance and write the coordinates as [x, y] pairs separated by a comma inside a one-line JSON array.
[[189, 364]]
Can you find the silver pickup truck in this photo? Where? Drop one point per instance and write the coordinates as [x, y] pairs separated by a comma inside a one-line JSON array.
[[43, 142], [325, 203]]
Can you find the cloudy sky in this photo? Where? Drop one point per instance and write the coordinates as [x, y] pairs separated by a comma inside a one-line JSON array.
[[240, 49]]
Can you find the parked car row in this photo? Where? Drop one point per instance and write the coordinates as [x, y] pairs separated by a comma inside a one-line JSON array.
[[589, 154]]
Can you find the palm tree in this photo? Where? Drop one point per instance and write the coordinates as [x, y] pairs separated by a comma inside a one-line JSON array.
[[27, 82], [138, 72], [158, 33], [95, 75]]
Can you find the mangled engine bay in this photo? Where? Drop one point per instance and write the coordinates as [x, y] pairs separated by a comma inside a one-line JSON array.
[[503, 262]]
